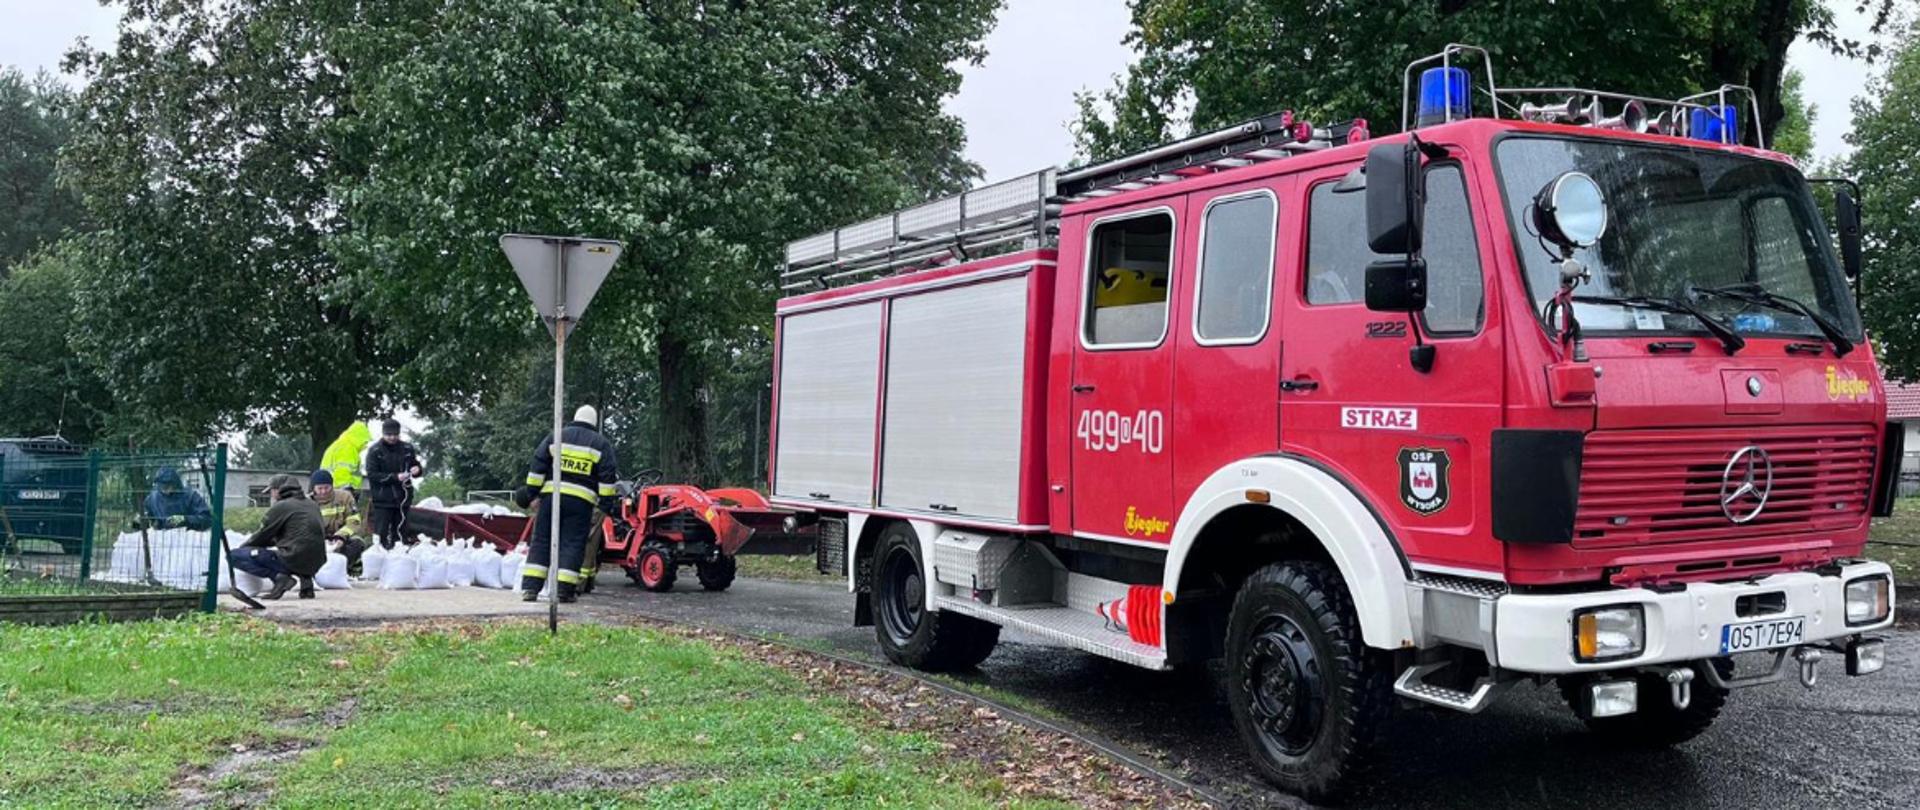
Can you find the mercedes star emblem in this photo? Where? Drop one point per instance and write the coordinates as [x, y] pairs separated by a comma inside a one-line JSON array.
[[1753, 386], [1745, 484]]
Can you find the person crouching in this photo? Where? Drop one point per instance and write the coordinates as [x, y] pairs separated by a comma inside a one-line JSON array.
[[291, 544]]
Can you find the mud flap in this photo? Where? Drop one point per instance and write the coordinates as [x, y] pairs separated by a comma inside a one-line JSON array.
[[863, 609]]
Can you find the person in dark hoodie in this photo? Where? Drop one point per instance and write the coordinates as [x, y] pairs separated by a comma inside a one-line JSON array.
[[391, 467], [172, 506], [291, 544]]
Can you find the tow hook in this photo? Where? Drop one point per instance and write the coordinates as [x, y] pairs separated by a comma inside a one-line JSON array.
[[1680, 680], [1809, 659]]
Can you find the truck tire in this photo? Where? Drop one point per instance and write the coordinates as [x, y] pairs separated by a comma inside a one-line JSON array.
[[909, 633], [1307, 695], [655, 571], [716, 575], [1656, 723]]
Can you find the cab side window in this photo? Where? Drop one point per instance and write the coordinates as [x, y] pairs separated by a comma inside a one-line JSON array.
[[1236, 270], [1337, 252], [1128, 270]]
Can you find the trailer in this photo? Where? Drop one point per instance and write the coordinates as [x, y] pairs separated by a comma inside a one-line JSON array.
[[1571, 389]]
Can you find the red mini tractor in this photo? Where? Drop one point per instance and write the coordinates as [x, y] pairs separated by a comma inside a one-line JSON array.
[[664, 526]]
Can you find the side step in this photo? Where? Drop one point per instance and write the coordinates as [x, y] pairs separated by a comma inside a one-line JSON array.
[[1073, 628], [1412, 685]]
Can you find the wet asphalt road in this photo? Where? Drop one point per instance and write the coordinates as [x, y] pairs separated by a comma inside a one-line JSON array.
[[1850, 743]]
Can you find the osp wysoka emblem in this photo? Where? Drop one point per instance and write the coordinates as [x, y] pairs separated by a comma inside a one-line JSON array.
[[1424, 486]]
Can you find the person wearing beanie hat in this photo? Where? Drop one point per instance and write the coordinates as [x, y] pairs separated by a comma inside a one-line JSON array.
[[392, 466], [582, 479], [339, 516]]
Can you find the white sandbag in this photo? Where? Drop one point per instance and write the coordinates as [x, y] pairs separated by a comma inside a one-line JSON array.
[[333, 575], [248, 583], [400, 573], [510, 568], [486, 567], [460, 569], [372, 562], [433, 573], [432, 503]]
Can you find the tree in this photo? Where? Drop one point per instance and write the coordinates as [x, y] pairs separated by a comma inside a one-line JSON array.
[[700, 134], [273, 451], [1886, 141], [34, 210], [1236, 59], [1794, 136], [210, 301], [44, 387]]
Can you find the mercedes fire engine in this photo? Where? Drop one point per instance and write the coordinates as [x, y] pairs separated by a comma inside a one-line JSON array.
[[1555, 385]]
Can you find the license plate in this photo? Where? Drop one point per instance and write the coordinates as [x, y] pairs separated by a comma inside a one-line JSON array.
[[1763, 635], [39, 494]]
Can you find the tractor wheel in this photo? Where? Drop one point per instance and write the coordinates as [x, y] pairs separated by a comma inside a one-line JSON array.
[[716, 575], [909, 633], [656, 572], [1306, 693]]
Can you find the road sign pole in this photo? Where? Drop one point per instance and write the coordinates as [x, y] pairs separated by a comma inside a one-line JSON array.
[[559, 405]]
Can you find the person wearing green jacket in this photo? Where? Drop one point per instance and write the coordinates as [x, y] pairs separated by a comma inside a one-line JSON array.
[[291, 544], [342, 458]]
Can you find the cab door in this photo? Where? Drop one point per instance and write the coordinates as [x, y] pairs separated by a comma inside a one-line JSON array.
[[1415, 443], [1121, 386]]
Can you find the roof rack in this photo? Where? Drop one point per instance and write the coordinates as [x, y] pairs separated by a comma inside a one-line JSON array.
[[962, 226]]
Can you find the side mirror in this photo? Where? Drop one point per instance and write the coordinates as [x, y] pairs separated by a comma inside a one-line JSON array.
[[1397, 285], [1847, 210], [1393, 215]]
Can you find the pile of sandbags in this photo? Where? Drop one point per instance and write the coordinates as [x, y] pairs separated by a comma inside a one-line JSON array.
[[171, 558], [433, 566]]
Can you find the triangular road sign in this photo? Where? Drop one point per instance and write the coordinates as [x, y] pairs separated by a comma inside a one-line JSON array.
[[537, 260]]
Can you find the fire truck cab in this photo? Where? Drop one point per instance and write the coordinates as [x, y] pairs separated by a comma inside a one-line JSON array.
[[1537, 394]]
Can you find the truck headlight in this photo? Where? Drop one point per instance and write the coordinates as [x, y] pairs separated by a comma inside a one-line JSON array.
[[1607, 633], [1869, 600]]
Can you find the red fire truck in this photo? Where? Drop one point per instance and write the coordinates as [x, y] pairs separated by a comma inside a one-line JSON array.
[[1571, 390]]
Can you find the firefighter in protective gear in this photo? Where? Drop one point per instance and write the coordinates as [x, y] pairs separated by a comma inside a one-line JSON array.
[[582, 479]]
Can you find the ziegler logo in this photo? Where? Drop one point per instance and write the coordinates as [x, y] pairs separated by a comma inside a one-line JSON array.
[[1386, 329], [1844, 383], [1380, 418], [1144, 526]]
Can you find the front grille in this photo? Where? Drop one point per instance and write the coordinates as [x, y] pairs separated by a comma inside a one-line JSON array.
[[1663, 486]]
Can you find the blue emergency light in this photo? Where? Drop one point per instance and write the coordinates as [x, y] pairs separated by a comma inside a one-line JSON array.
[[1443, 96], [1719, 123]]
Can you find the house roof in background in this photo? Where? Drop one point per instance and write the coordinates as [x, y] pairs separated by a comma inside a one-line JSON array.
[[1903, 401]]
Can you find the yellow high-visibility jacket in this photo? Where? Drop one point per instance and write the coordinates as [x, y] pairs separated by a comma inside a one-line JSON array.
[[343, 456]]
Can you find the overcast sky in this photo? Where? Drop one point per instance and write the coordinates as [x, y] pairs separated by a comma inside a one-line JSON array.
[[1018, 102]]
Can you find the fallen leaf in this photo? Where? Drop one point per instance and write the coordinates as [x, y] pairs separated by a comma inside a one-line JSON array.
[[799, 737], [338, 762], [623, 702], [339, 663]]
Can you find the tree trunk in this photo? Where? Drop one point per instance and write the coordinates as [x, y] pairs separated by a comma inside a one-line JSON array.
[[683, 416]]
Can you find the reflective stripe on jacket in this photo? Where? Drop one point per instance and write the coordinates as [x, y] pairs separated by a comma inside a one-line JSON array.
[[587, 465]]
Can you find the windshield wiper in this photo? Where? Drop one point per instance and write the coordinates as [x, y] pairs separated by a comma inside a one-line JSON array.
[[1729, 339], [1751, 293]]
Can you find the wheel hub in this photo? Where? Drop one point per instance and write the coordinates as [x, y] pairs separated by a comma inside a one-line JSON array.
[[904, 598], [1287, 693]]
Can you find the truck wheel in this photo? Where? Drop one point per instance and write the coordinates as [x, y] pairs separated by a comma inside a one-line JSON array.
[[909, 633], [656, 572], [1306, 693], [716, 575], [1656, 723]]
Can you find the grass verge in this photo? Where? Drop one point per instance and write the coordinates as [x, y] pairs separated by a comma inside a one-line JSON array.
[[786, 567], [1896, 541], [227, 710]]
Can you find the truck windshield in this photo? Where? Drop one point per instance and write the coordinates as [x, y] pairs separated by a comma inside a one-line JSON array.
[[1730, 236]]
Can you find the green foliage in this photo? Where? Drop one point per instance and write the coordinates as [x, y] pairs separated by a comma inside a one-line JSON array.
[[1794, 135], [34, 210], [1235, 59], [273, 451], [442, 487], [701, 137], [1886, 141], [44, 387], [210, 302]]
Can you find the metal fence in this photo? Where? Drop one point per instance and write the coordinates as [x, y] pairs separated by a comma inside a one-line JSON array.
[[94, 522]]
